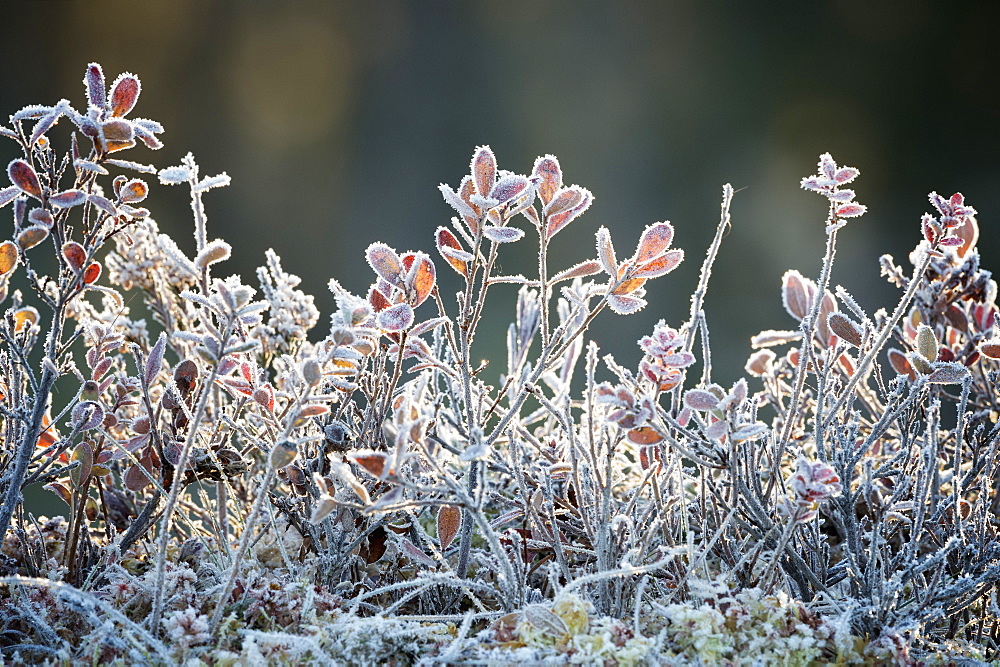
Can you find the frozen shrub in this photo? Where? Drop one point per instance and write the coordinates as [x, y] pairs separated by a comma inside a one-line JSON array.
[[241, 488]]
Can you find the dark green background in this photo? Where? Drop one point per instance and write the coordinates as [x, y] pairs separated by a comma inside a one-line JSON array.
[[337, 122]]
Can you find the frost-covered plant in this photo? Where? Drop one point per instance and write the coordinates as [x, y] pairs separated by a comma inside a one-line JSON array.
[[242, 488]]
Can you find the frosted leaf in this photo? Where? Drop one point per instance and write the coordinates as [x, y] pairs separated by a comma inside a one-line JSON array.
[[7, 195], [23, 176], [701, 400], [8, 258], [654, 242], [948, 373], [75, 255], [549, 173], [87, 165], [124, 94], [564, 200], [749, 432], [484, 170], [154, 360], [451, 249], [503, 234], [556, 222], [420, 276], [796, 294], [396, 318], [510, 188], [579, 270], [851, 210], [385, 262], [844, 327], [104, 204], [96, 88], [456, 202], [625, 305], [606, 252], [660, 266], [68, 199]]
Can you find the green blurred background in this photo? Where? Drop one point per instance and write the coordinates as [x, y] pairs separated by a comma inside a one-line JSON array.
[[337, 121]]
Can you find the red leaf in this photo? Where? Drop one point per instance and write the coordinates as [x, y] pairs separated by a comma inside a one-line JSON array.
[[851, 210], [134, 191], [377, 299], [124, 94], [484, 170], [75, 255], [92, 273], [23, 176], [510, 188], [654, 242]]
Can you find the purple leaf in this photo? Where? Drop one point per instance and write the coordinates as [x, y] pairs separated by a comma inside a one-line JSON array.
[[154, 360], [93, 81], [624, 304], [396, 318], [701, 400], [503, 234], [510, 187], [7, 195], [68, 199]]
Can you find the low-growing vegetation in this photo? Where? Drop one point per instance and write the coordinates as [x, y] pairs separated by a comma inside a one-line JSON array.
[[245, 486]]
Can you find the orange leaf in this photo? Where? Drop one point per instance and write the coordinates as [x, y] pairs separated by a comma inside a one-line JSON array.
[[8, 257], [373, 462], [654, 242], [550, 177], [449, 520], [644, 436], [23, 317], [662, 265], [420, 279], [445, 239]]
